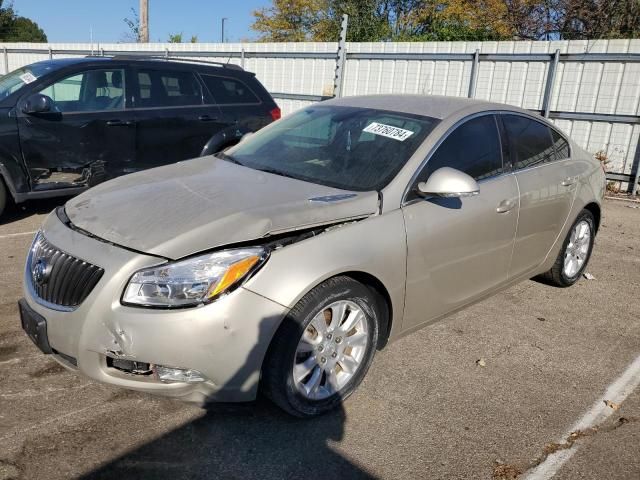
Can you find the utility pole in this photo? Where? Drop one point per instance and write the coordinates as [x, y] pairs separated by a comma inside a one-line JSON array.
[[144, 21], [222, 32]]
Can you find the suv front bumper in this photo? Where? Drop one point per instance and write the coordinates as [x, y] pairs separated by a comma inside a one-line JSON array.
[[225, 341]]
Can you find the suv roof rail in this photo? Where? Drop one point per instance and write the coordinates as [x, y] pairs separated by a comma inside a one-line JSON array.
[[144, 56]]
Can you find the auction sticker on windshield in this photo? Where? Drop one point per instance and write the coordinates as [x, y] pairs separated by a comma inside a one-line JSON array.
[[388, 131], [28, 77]]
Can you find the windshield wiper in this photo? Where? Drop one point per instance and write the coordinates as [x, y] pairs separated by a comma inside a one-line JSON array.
[[276, 172], [227, 157]]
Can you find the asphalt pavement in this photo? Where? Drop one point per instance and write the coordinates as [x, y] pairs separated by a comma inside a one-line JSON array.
[[489, 393]]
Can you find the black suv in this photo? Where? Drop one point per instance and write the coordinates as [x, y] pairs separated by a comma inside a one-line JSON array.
[[68, 124]]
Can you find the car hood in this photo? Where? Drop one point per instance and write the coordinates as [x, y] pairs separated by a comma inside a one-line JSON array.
[[193, 206]]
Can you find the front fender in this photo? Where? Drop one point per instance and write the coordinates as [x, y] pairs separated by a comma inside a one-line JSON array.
[[375, 246]]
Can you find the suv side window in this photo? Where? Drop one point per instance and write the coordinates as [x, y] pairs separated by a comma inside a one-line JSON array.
[[169, 88], [561, 146], [229, 91], [473, 148], [92, 90], [529, 141]]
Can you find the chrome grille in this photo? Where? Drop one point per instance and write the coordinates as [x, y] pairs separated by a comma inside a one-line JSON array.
[[57, 277]]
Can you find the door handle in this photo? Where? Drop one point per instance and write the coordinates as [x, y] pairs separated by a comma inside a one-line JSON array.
[[120, 123], [569, 181], [207, 118], [505, 206]]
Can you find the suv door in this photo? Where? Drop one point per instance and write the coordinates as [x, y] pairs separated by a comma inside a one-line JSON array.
[[459, 248], [174, 120], [88, 137], [546, 185]]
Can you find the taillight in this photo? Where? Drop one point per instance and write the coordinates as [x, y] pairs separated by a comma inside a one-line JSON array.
[[275, 113]]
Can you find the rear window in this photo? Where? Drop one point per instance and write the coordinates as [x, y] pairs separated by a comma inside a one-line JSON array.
[[227, 90], [159, 88], [529, 141]]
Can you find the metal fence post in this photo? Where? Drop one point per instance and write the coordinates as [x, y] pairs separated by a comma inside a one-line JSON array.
[[6, 59], [548, 89], [102, 52], [474, 74], [50, 53], [166, 53], [341, 58], [242, 58]]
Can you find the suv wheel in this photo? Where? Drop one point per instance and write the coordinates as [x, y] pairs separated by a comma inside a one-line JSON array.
[[323, 348], [3, 196]]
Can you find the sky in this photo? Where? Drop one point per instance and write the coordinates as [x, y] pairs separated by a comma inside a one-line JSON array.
[[73, 20]]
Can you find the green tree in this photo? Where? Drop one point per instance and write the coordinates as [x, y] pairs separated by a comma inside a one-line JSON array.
[[14, 28], [417, 20], [175, 38], [293, 21]]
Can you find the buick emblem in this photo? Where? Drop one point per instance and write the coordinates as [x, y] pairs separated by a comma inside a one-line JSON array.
[[40, 272]]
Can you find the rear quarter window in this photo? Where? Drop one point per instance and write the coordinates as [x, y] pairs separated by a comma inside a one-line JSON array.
[[529, 141], [229, 91], [561, 145]]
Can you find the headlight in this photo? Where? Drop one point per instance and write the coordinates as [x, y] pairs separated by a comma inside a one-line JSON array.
[[193, 281]]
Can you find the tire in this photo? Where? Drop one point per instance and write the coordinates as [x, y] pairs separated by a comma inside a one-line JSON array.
[[314, 393], [3, 197], [562, 276]]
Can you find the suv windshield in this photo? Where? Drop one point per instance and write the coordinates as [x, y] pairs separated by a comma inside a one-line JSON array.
[[13, 81], [344, 147]]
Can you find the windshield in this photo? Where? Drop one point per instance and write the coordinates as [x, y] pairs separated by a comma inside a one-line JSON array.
[[13, 81], [343, 147]]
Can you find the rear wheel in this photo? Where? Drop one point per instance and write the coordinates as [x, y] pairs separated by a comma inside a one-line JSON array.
[[323, 349], [575, 253]]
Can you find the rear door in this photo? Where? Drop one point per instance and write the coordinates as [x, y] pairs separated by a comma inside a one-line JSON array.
[[459, 248], [175, 118], [87, 138], [547, 187]]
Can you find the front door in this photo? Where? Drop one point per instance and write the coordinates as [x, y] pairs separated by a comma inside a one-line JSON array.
[[174, 117], [459, 248], [88, 137]]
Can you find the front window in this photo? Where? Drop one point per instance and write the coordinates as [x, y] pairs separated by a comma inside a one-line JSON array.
[[343, 147], [92, 90]]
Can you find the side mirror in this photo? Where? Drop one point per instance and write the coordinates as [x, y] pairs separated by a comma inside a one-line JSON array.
[[37, 103], [449, 182]]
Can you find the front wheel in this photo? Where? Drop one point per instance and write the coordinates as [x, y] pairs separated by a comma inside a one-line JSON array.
[[3, 197], [323, 348], [575, 253]]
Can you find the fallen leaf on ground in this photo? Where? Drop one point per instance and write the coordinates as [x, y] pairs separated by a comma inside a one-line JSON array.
[[481, 363], [588, 276], [542, 319], [612, 405]]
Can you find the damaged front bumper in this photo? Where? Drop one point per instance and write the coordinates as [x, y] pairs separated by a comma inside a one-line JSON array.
[[209, 353]]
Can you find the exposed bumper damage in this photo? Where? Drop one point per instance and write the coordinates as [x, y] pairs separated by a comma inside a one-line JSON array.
[[213, 352]]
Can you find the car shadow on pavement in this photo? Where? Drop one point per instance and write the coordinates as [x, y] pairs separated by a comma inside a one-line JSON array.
[[242, 441]]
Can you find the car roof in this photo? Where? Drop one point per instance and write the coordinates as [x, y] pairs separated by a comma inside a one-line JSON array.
[[157, 61], [435, 106]]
